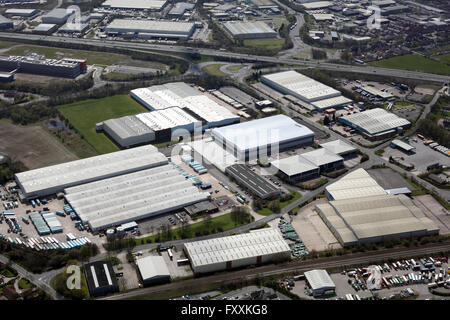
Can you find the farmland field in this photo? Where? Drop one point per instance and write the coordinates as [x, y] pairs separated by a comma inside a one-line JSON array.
[[84, 115], [413, 62]]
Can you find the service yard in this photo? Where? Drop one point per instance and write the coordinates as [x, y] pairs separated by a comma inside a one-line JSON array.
[[32, 145], [435, 211]]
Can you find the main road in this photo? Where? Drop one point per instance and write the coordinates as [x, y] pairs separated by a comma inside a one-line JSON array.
[[230, 55]]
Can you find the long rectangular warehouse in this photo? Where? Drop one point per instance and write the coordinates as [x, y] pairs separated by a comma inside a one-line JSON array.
[[194, 102], [128, 131], [256, 247], [299, 86], [54, 179], [253, 139], [134, 196], [249, 29], [152, 28], [152, 5]]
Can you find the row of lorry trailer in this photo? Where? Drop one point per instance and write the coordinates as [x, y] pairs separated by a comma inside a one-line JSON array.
[[48, 243]]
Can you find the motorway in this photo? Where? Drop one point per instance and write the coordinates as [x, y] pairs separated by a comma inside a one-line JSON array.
[[227, 55], [293, 266]]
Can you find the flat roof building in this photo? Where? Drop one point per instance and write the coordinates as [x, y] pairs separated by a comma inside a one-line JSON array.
[[54, 179], [133, 196], [255, 183], [180, 8], [191, 100], [384, 95], [296, 168], [320, 282], [128, 131], [152, 28], [57, 16], [153, 270], [151, 5], [101, 278], [339, 147], [225, 253], [45, 28], [324, 159], [249, 29], [15, 12], [399, 144], [262, 137], [317, 5], [375, 121], [6, 23]]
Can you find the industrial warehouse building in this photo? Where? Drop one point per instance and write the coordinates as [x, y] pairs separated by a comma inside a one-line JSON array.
[[100, 278], [249, 30], [159, 125], [339, 147], [53, 179], [399, 144], [13, 12], [356, 184], [252, 248], [317, 5], [6, 23], [324, 159], [308, 90], [263, 137], [153, 270], [45, 28], [255, 183], [375, 123], [57, 16], [180, 8], [362, 211], [375, 219], [152, 28], [151, 5], [194, 102], [320, 282], [134, 196]]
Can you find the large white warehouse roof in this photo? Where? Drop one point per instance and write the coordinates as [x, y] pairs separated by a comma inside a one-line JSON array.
[[133, 196], [319, 279], [152, 267], [135, 4], [267, 241], [262, 132], [151, 26], [375, 121], [338, 147], [239, 28], [356, 184], [294, 165], [53, 179], [166, 118], [300, 86]]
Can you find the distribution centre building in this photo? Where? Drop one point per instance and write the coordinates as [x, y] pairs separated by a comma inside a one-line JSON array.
[[191, 100], [375, 123], [308, 90], [249, 30], [133, 196], [151, 5], [339, 147], [153, 270], [320, 282], [152, 28], [57, 16], [53, 179], [263, 137], [16, 12], [100, 278], [296, 168], [128, 131], [252, 181], [225, 253]]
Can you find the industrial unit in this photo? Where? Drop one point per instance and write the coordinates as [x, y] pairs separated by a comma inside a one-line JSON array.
[[317, 5], [134, 196], [308, 90], [151, 5], [6, 23], [15, 12], [100, 278], [127, 131], [296, 168], [194, 102], [255, 183], [375, 123], [53, 179], [153, 270], [320, 282], [375, 219], [249, 29], [45, 28], [36, 64], [399, 144], [57, 16], [252, 248], [339, 147], [152, 28], [263, 137], [72, 27], [180, 8], [382, 95], [324, 159]]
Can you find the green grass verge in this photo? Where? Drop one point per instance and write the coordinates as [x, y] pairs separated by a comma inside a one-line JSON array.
[[214, 69], [25, 284], [413, 62], [271, 44], [83, 115], [445, 58]]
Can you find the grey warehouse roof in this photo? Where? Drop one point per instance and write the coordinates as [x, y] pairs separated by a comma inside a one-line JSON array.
[[150, 26], [152, 266], [402, 145], [294, 165], [321, 157], [248, 27], [180, 8], [338, 147], [135, 4], [89, 169], [319, 279], [59, 13], [133, 196], [128, 126], [238, 247]]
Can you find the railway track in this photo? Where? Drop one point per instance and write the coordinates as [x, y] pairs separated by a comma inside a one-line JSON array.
[[293, 266]]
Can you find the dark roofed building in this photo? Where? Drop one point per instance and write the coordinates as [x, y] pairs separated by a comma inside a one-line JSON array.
[[101, 278], [201, 208]]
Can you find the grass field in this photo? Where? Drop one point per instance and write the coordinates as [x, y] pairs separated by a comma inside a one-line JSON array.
[[235, 67], [445, 58], [93, 57], [83, 115], [413, 62], [214, 69], [270, 44]]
